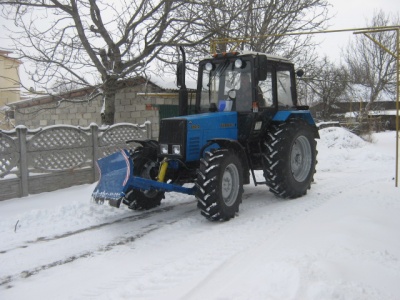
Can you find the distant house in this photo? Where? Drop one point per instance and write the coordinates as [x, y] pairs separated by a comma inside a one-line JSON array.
[[138, 100], [383, 112], [9, 86]]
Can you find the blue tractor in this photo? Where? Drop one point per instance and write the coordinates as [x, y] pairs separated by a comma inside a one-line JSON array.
[[246, 118]]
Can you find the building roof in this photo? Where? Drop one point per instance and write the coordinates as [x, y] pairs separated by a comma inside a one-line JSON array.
[[5, 54], [343, 107], [39, 99], [169, 83]]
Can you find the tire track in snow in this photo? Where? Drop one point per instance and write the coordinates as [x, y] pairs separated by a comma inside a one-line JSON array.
[[133, 218], [28, 273], [124, 239]]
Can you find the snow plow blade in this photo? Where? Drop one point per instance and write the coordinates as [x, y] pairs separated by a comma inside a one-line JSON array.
[[115, 173], [116, 180]]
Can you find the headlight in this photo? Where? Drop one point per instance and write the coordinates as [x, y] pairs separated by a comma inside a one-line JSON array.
[[209, 66], [164, 149], [238, 63], [176, 149]]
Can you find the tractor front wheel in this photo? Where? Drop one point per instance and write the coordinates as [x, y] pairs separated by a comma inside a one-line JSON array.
[[219, 185]]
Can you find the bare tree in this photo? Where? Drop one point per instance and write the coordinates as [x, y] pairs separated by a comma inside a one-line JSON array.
[[252, 20], [369, 64], [258, 18], [327, 85], [100, 42]]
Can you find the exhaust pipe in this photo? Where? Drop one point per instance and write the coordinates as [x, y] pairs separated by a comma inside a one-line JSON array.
[[183, 93]]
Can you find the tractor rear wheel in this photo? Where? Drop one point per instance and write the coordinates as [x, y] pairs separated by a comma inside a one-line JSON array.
[[290, 158], [219, 185], [145, 166]]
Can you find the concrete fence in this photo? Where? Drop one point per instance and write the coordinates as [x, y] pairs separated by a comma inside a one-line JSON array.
[[55, 157]]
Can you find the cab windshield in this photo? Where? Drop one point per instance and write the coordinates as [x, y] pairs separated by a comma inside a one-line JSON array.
[[230, 76]]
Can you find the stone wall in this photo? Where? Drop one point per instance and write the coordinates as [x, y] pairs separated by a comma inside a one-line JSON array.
[[135, 104], [65, 113]]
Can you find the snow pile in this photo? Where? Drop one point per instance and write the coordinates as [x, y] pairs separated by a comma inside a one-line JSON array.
[[340, 138]]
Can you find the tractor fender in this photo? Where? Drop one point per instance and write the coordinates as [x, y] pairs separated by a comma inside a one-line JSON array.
[[236, 146], [284, 115]]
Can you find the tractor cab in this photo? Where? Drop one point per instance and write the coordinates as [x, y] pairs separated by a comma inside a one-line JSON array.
[[255, 85], [245, 82]]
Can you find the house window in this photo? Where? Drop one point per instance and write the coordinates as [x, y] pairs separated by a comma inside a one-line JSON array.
[[9, 114]]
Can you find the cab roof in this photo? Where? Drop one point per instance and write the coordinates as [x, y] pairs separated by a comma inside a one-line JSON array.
[[248, 53]]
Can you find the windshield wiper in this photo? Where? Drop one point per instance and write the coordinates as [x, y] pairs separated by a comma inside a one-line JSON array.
[[218, 71]]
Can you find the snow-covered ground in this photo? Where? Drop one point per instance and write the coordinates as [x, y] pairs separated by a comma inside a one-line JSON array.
[[340, 241]]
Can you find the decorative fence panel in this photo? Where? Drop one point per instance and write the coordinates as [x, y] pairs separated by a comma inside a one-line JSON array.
[[114, 138], [55, 157]]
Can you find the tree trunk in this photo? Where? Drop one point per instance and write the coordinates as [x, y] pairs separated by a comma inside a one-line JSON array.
[[110, 90]]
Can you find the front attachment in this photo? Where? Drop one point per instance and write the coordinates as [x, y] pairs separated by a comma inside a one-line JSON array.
[[117, 180], [116, 172]]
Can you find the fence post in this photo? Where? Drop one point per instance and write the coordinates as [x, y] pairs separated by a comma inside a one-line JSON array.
[[23, 160], [95, 147], [148, 130]]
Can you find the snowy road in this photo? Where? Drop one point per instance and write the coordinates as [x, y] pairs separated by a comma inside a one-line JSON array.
[[85, 241], [340, 241]]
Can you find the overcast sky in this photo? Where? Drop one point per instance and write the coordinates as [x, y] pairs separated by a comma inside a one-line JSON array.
[[352, 14], [346, 14]]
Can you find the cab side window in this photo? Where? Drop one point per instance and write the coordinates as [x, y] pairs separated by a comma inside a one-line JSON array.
[[265, 95], [284, 88]]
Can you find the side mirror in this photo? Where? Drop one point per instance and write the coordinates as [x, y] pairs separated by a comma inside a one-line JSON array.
[[300, 73]]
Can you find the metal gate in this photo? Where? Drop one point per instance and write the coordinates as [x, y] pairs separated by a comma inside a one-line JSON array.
[[168, 111]]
